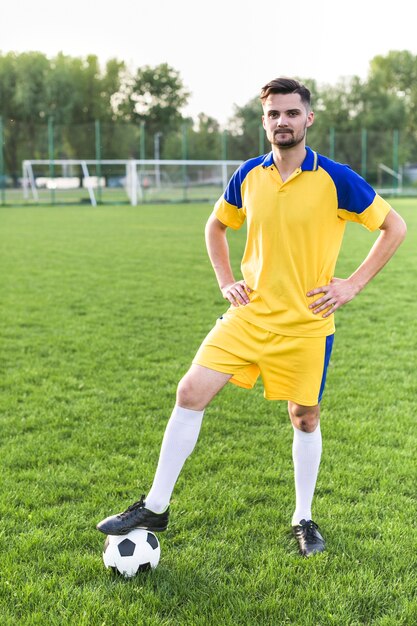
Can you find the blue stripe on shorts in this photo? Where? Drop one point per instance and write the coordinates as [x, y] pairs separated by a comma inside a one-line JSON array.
[[327, 354]]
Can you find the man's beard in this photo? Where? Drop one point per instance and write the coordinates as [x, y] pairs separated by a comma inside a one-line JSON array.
[[289, 142]]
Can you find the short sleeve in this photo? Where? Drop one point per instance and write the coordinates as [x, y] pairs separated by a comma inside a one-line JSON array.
[[229, 214], [228, 209], [357, 200], [372, 217]]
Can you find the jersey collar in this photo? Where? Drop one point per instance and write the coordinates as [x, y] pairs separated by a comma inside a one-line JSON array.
[[310, 162], [308, 165]]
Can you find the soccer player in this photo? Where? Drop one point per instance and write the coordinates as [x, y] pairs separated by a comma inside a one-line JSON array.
[[280, 323]]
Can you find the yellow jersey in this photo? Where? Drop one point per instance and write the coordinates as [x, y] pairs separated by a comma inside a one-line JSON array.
[[294, 234]]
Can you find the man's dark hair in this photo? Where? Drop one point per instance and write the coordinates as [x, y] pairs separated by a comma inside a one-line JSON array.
[[286, 85]]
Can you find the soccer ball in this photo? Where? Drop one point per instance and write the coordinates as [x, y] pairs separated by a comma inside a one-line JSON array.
[[129, 554]]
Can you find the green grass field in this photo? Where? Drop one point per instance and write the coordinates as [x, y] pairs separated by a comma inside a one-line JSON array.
[[102, 311]]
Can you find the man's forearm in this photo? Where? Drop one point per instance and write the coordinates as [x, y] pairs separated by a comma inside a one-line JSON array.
[[390, 238], [340, 291], [218, 251], [236, 292]]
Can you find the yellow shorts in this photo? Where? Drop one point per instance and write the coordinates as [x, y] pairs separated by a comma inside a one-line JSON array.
[[292, 368]]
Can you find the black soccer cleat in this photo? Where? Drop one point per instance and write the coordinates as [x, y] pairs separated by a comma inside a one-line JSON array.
[[136, 516], [309, 538]]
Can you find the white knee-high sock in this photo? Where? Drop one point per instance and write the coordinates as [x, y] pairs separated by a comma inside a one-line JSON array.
[[306, 454], [179, 440]]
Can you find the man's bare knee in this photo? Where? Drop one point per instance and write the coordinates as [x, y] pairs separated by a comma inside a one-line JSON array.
[[199, 386], [305, 418], [187, 395]]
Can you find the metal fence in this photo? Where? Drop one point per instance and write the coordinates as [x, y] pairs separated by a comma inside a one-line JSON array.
[[385, 159]]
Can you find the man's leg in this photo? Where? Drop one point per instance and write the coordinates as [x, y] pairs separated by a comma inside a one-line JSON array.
[[306, 456], [195, 391], [307, 446]]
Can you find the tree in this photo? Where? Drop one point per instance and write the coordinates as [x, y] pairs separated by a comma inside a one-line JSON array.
[[79, 92], [75, 92], [22, 88], [245, 131], [395, 76], [155, 96], [8, 75], [72, 91], [204, 138]]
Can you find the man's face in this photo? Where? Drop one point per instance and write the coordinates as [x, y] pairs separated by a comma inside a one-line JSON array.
[[285, 119]]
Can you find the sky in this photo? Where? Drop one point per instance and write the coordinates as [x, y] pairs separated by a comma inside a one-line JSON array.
[[224, 50]]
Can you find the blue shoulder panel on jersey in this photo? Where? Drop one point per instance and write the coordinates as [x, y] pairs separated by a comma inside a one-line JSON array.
[[353, 192], [233, 194]]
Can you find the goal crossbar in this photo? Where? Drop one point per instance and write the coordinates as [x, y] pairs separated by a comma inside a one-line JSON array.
[[141, 178]]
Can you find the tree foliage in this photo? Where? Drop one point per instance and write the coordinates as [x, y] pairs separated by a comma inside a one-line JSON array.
[[147, 103]]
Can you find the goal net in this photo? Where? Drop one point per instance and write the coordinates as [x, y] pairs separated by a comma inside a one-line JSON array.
[[121, 181]]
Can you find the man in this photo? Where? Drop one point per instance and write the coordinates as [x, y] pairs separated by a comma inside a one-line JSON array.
[[280, 323]]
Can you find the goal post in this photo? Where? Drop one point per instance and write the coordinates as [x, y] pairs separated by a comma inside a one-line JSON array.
[[133, 181], [396, 178]]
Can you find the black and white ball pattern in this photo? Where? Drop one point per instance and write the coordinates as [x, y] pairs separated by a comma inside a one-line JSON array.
[[130, 554]]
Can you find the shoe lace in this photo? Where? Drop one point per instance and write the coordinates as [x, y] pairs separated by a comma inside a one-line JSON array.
[[310, 528], [136, 505]]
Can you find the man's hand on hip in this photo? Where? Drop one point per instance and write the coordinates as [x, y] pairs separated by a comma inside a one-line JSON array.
[[237, 293], [337, 293]]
